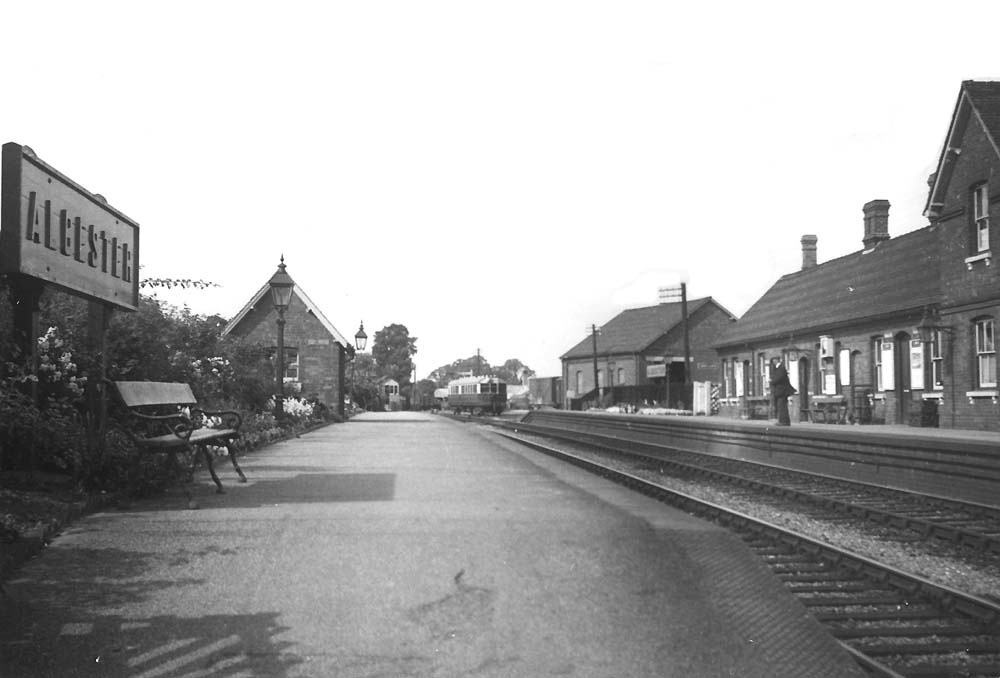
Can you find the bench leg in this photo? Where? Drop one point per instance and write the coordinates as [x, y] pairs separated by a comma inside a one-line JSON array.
[[128, 494], [211, 469], [231, 446], [188, 475]]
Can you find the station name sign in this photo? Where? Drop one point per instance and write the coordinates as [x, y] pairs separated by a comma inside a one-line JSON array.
[[54, 230]]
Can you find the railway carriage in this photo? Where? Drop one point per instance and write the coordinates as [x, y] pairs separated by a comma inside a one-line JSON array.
[[477, 395]]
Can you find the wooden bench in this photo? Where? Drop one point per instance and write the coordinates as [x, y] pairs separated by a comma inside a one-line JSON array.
[[167, 419], [828, 409], [758, 407]]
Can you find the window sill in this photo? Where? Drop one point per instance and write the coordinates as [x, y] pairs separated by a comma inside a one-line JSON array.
[[933, 396], [982, 394], [986, 256]]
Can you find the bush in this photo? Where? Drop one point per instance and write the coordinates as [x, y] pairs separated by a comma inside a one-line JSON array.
[[41, 409], [156, 343]]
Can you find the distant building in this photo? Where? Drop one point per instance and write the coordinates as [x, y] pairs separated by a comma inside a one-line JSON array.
[[389, 394], [315, 352], [904, 330], [640, 350]]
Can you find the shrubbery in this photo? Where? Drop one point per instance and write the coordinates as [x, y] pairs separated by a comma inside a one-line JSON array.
[[157, 343]]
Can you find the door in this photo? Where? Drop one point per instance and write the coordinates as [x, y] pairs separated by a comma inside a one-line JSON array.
[[901, 369]]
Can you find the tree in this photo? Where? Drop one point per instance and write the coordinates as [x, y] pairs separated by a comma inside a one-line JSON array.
[[364, 389], [476, 365], [514, 371], [393, 349], [511, 372]]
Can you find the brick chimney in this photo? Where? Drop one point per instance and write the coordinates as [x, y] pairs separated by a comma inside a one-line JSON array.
[[808, 251], [876, 223]]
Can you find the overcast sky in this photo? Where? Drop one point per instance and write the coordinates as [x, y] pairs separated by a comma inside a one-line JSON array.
[[494, 176]]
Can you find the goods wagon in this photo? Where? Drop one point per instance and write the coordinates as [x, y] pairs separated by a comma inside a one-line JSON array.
[[544, 392]]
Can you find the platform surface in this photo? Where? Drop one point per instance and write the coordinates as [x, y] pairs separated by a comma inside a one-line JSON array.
[[404, 544]]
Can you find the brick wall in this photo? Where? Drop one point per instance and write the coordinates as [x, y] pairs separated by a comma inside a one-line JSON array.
[[321, 359], [969, 290]]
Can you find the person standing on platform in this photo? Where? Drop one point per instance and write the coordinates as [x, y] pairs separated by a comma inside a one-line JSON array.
[[781, 391]]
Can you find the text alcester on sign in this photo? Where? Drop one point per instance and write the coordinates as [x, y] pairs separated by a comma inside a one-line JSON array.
[[55, 230]]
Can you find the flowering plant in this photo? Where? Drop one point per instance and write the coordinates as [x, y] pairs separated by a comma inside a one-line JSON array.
[[51, 426], [294, 408]]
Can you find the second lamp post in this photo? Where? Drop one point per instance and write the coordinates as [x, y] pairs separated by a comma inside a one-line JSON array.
[[281, 294]]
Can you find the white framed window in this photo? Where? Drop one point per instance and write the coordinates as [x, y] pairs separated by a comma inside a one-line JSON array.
[[844, 366], [981, 216], [937, 362], [986, 354], [877, 363], [579, 383], [916, 356], [291, 365], [738, 377], [621, 376]]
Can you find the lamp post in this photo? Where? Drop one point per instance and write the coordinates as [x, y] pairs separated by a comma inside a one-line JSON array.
[[360, 338], [281, 294], [360, 341]]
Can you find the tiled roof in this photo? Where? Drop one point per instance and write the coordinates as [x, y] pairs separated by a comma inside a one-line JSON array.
[[298, 292], [631, 331], [897, 275]]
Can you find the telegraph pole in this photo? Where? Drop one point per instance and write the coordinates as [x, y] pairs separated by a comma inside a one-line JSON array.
[[687, 343], [668, 294], [593, 334]]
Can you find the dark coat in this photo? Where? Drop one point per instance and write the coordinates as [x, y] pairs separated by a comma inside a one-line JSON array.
[[781, 387]]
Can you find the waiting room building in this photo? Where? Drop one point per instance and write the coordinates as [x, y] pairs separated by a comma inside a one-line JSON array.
[[315, 352]]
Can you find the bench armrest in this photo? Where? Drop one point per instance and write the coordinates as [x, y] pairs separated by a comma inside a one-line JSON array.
[[179, 423], [231, 418]]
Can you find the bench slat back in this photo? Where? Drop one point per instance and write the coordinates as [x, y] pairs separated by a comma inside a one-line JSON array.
[[142, 393]]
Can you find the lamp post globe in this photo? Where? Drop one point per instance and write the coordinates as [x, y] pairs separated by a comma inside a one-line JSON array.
[[281, 285], [361, 339]]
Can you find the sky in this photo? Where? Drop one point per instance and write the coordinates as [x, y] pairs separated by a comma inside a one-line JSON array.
[[494, 176]]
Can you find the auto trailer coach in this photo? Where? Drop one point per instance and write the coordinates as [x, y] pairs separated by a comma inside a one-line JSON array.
[[477, 395]]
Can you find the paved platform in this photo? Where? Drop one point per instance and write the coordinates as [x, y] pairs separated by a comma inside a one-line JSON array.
[[406, 544]]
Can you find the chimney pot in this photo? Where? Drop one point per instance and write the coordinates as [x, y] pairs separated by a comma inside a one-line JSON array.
[[808, 251], [876, 223]]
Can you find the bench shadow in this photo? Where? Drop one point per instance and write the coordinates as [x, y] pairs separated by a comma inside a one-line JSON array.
[[302, 488], [390, 421]]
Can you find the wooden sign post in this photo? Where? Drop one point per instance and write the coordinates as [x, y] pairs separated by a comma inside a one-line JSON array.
[[55, 232]]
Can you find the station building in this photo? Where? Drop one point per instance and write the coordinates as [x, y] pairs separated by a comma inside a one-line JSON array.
[[904, 330], [640, 355], [316, 353]]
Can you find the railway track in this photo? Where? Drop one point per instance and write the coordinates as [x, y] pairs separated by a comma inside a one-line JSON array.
[[894, 623]]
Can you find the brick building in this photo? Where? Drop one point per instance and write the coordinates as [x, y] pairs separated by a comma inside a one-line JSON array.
[[963, 191], [315, 352], [641, 349], [902, 331]]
